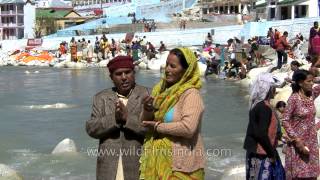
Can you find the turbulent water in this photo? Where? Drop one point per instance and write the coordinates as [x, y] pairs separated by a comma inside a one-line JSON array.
[[39, 109]]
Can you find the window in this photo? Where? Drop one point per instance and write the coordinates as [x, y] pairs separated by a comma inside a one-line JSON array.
[[304, 11], [284, 13], [204, 10], [11, 20], [12, 32], [20, 20], [19, 7], [296, 11], [272, 13], [236, 9]]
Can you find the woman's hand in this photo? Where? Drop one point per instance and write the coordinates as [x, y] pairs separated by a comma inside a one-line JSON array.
[[152, 125], [148, 103], [149, 124], [300, 147]]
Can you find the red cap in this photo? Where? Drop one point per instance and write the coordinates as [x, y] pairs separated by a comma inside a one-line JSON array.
[[120, 62]]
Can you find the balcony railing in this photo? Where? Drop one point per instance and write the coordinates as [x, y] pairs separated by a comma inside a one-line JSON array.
[[11, 12], [11, 24]]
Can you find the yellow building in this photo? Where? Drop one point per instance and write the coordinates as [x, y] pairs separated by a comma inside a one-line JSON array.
[[48, 21]]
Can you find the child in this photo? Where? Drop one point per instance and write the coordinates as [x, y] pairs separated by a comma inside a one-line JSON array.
[[280, 107]]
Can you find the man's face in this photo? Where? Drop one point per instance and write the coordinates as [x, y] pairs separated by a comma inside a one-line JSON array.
[[123, 79]]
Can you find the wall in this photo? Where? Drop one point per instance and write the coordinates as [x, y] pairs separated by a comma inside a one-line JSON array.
[[144, 2], [119, 10], [29, 20], [60, 24], [313, 8]]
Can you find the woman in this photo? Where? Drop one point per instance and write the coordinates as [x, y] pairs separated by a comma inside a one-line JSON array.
[[314, 36], [294, 66], [261, 137], [174, 148], [113, 47], [90, 51], [73, 50], [302, 156]]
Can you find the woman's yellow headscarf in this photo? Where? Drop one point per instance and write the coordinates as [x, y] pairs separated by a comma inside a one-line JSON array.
[[153, 166], [167, 98]]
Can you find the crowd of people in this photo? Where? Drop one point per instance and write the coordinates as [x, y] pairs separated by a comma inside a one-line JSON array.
[[237, 58], [103, 49], [291, 125]]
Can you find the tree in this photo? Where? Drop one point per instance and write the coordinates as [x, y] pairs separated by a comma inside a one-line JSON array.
[[45, 26]]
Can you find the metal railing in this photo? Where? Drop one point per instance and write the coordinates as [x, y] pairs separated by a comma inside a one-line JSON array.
[[11, 12], [11, 24]]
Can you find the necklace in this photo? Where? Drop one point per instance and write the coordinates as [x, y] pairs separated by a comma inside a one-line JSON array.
[[303, 96]]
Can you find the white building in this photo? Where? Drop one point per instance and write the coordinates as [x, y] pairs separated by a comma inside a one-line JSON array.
[[17, 19], [29, 10], [286, 9], [53, 4], [225, 6]]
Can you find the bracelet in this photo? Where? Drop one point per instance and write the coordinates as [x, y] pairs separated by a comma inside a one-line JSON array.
[[156, 125]]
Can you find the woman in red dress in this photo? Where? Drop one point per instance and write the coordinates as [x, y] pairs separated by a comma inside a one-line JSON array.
[[302, 155]]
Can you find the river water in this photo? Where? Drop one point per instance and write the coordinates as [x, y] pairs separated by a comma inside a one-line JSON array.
[[41, 107]]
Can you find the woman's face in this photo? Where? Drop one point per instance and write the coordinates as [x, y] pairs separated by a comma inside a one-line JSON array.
[[307, 84], [174, 71]]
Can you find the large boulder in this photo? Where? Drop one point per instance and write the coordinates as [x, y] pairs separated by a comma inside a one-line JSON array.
[[6, 173], [202, 68], [65, 146], [155, 64], [282, 95], [142, 65], [75, 65], [103, 63], [253, 73]]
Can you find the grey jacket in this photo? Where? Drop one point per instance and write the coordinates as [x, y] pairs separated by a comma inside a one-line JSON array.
[[113, 137]]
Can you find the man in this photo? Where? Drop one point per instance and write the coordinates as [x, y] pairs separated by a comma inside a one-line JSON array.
[[282, 45], [115, 122], [151, 51], [208, 40], [162, 47]]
